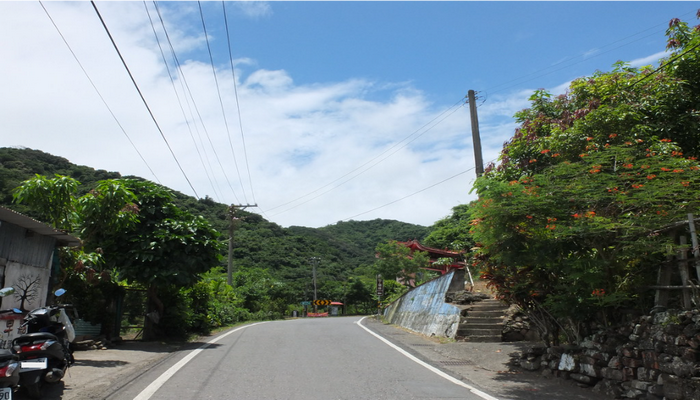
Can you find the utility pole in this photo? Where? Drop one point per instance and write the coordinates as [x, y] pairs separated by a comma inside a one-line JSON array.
[[478, 160], [314, 261], [232, 219]]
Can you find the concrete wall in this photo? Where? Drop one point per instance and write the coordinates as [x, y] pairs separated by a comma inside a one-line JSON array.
[[423, 309]]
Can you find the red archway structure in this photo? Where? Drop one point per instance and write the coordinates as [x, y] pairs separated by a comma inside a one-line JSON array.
[[435, 254]]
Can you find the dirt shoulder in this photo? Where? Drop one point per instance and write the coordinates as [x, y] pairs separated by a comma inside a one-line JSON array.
[[98, 373]]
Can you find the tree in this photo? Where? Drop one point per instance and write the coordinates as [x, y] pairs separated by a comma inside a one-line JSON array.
[[452, 232], [565, 223], [54, 198], [135, 228], [165, 247], [395, 261]]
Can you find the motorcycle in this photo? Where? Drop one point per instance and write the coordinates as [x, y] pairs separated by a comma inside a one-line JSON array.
[[44, 351], [9, 362]]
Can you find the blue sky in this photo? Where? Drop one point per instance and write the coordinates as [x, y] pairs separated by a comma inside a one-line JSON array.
[[341, 110]]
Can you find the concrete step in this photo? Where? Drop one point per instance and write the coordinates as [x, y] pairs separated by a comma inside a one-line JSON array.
[[478, 320], [479, 332], [481, 339], [485, 314], [483, 322]]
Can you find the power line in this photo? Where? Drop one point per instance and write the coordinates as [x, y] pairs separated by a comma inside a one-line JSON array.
[[221, 102], [179, 101], [540, 73], [98, 92], [142, 97], [238, 103], [372, 162], [194, 103], [410, 195]]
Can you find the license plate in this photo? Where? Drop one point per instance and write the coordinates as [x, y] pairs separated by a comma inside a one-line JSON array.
[[37, 363], [5, 393]]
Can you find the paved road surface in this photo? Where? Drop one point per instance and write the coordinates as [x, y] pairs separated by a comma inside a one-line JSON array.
[[125, 371], [304, 359]]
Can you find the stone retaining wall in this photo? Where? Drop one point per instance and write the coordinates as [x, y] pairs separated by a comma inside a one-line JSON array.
[[423, 308], [654, 357]]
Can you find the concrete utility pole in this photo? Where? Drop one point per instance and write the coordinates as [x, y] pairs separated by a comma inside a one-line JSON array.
[[314, 262], [478, 160], [232, 219]]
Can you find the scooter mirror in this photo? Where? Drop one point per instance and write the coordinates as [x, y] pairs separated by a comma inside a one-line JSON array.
[[6, 291], [60, 292]]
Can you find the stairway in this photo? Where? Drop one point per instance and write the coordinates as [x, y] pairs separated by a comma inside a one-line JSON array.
[[483, 321]]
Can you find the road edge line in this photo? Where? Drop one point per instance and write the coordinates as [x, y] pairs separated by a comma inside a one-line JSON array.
[[151, 389], [422, 363]]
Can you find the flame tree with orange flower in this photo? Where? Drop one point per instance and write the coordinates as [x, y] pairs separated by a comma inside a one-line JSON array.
[[565, 222]]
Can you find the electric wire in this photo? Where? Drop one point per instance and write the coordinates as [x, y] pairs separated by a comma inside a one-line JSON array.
[[570, 61], [670, 61], [162, 134], [371, 161], [98, 92], [179, 100], [221, 101], [238, 103], [194, 103], [410, 195]]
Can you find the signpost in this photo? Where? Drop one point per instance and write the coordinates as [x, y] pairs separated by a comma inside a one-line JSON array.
[[380, 292]]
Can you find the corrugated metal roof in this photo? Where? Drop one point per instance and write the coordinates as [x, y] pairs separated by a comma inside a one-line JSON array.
[[62, 238]]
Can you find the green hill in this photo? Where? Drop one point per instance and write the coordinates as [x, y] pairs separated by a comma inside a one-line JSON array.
[[258, 243]]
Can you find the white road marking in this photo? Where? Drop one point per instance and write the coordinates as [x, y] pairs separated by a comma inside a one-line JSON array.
[[151, 389], [426, 365]]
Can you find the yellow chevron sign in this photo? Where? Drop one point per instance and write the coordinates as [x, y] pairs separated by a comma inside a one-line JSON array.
[[322, 302]]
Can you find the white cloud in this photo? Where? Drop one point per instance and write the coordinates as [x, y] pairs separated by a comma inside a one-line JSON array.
[[317, 153], [652, 59], [254, 8]]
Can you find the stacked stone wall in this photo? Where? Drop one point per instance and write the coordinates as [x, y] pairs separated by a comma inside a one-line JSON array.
[[653, 357]]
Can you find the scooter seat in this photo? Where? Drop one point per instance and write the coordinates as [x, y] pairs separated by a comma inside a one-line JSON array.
[[32, 337]]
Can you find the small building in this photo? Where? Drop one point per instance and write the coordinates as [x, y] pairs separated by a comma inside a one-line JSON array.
[[28, 257], [456, 258]]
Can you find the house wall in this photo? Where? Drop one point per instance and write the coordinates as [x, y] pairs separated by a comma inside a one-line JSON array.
[[25, 247], [423, 309], [25, 264]]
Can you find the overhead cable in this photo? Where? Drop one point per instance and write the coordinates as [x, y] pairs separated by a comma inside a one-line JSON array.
[[98, 93], [221, 102], [194, 103], [143, 98], [179, 101], [375, 160], [238, 103], [410, 195]]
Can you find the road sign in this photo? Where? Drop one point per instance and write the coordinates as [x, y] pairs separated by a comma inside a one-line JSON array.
[[305, 303], [322, 302], [380, 285]]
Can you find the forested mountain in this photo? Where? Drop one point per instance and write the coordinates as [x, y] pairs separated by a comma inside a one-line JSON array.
[[258, 243]]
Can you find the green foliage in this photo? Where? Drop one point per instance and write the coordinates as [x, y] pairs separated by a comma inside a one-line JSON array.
[[54, 198], [129, 228], [452, 232], [395, 261], [567, 224]]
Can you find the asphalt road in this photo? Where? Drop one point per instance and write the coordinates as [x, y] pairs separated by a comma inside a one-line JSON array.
[[325, 358]]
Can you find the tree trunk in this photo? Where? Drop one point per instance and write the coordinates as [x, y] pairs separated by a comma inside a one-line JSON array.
[[154, 311]]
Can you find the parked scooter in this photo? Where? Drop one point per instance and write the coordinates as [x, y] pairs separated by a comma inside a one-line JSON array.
[[9, 362], [44, 351]]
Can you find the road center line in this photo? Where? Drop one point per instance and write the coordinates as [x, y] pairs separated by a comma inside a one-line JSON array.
[[151, 389], [426, 365]]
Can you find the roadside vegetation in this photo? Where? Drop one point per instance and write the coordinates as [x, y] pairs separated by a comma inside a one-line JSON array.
[[150, 251], [570, 224]]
